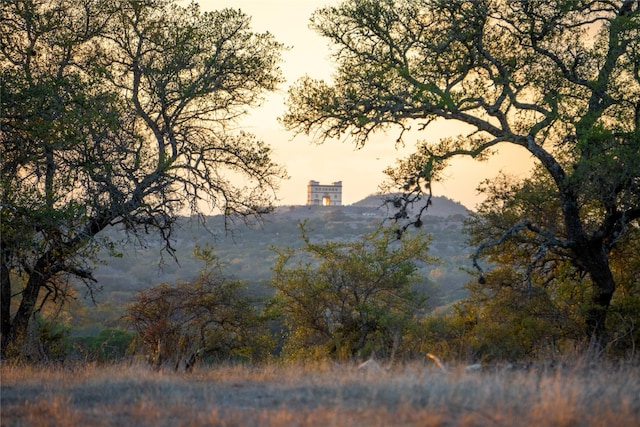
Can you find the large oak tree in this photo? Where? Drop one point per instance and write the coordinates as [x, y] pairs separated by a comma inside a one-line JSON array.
[[560, 78], [540, 290], [120, 112]]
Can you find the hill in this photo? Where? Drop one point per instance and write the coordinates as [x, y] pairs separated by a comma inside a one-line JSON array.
[[246, 251], [440, 206]]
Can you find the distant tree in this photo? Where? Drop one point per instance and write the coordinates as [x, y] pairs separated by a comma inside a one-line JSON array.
[[345, 299], [211, 317], [561, 79], [120, 112]]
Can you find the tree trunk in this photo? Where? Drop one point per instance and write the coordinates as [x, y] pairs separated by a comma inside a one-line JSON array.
[[597, 265], [591, 256], [50, 263], [17, 334]]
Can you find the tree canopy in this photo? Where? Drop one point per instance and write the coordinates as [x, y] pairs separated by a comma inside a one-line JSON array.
[[561, 79], [209, 317], [542, 292], [120, 112], [345, 299]]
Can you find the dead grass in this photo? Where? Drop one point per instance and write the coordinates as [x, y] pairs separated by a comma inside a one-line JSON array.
[[319, 395]]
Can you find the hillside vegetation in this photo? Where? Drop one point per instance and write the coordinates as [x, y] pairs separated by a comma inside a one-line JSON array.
[[245, 251]]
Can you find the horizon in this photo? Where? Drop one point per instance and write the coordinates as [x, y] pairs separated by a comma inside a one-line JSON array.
[[435, 199]]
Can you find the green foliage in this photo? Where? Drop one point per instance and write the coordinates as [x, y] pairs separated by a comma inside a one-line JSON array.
[[539, 77], [433, 333], [345, 299], [624, 315], [534, 301], [211, 317], [514, 325], [50, 340], [110, 345], [118, 112]]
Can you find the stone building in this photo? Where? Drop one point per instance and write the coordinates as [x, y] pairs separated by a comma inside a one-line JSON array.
[[324, 195]]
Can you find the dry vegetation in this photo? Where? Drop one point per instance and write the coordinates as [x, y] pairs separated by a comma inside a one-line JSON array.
[[328, 394]]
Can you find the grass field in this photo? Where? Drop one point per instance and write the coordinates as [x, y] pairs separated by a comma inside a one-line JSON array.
[[416, 394]]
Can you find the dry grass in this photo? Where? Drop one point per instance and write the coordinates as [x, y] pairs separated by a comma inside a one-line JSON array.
[[318, 395]]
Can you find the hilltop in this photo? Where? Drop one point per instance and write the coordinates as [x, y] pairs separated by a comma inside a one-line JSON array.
[[372, 205], [440, 206]]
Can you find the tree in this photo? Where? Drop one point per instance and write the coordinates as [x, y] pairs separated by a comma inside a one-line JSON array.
[[560, 79], [120, 112], [540, 289], [346, 299], [210, 317]]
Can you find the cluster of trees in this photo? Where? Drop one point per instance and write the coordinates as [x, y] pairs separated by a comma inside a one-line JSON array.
[[560, 79], [346, 300], [211, 317], [115, 112], [349, 299], [339, 300], [119, 112]]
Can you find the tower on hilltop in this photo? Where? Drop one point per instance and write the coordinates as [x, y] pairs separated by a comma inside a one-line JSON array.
[[324, 195]]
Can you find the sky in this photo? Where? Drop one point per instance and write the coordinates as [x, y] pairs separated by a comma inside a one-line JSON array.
[[360, 170]]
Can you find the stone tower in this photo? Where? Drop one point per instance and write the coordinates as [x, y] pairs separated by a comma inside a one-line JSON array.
[[324, 195]]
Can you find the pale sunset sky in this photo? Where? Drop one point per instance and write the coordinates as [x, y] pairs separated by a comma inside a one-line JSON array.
[[360, 170]]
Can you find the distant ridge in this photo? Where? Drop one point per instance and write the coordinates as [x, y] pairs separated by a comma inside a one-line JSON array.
[[246, 252], [440, 206]]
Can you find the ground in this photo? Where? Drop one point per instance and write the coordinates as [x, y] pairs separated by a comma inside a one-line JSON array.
[[323, 394]]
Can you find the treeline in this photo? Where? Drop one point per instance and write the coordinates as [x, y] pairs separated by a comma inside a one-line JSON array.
[[124, 114], [346, 299], [245, 256]]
